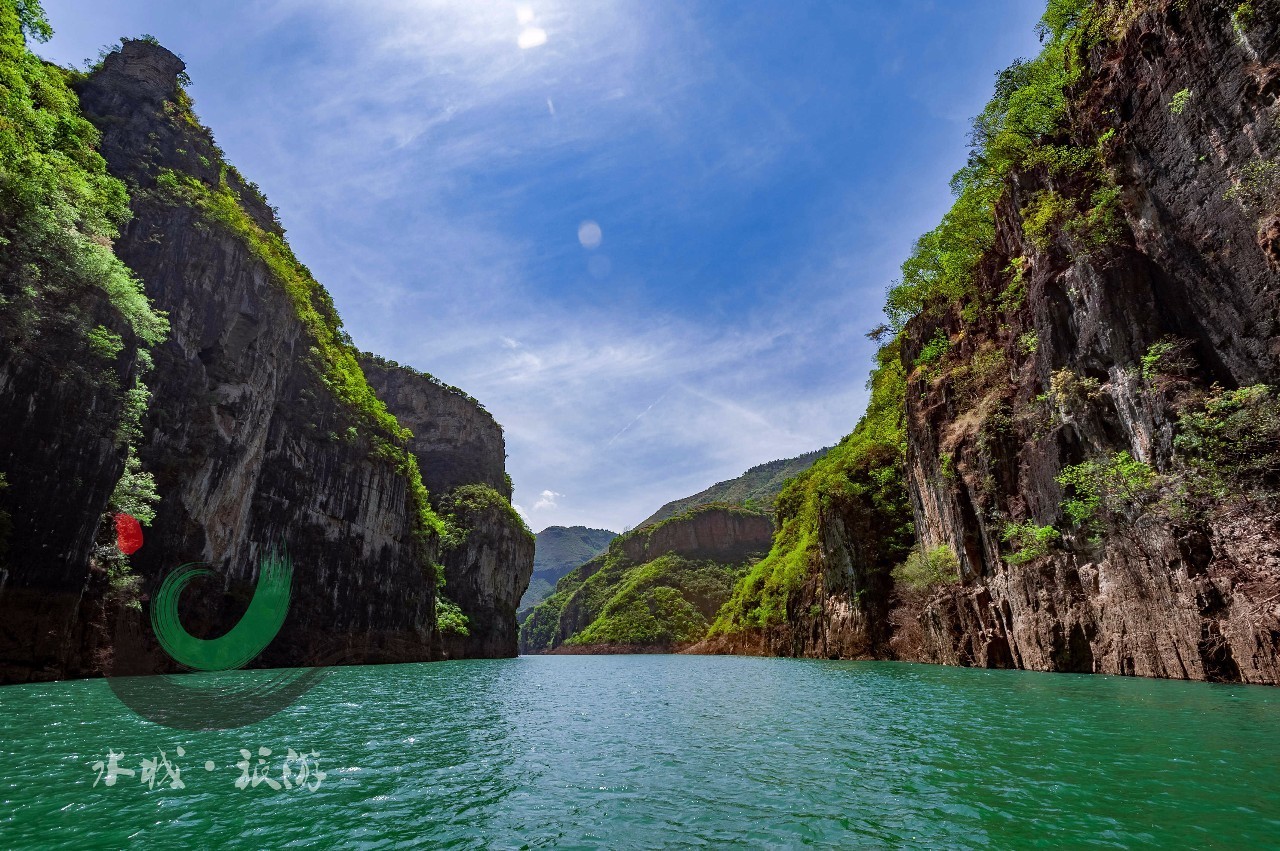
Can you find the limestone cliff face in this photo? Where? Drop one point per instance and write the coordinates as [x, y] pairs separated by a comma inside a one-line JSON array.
[[61, 460], [1048, 362], [717, 534], [456, 440], [842, 609], [261, 431], [249, 447], [459, 444], [1162, 599]]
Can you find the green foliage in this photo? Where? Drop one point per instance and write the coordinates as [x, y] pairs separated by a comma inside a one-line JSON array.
[[1095, 226], [1099, 224], [1029, 541], [1151, 360], [463, 502], [1108, 492], [1166, 357], [1242, 18], [663, 602], [934, 350], [942, 262], [32, 21], [59, 209], [693, 511], [1043, 216], [1180, 101], [135, 402], [104, 343], [59, 214], [1070, 393], [539, 630], [1015, 294], [865, 472], [1029, 342], [928, 569], [612, 600], [125, 585], [986, 370], [1014, 130], [1257, 188], [135, 492], [756, 489], [1231, 440], [450, 619]]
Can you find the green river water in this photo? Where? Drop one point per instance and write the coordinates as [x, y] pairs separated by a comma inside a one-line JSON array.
[[663, 752]]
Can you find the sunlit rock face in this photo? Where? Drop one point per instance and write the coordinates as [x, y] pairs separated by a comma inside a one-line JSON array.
[[1162, 600], [249, 447], [1186, 98]]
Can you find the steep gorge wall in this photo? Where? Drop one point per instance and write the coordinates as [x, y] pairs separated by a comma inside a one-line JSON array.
[[249, 446], [64, 383], [1144, 220], [260, 431], [60, 459], [1158, 598], [459, 444], [709, 545]]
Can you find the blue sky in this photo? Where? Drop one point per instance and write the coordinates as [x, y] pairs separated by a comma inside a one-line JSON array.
[[648, 236]]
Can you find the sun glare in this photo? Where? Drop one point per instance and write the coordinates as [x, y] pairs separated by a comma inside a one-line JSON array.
[[532, 37]]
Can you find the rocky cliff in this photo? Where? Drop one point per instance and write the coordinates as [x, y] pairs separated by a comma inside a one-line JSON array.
[[1081, 386], [260, 430], [76, 329], [1130, 336], [462, 455], [716, 532]]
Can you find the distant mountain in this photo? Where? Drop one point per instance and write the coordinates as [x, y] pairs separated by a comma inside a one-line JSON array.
[[656, 588], [755, 488], [558, 550]]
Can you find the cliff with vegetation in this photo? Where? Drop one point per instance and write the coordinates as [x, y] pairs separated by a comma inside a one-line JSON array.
[[654, 589], [1072, 454], [168, 359], [462, 456]]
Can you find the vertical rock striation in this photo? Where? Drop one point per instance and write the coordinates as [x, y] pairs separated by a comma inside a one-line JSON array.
[[261, 431], [250, 447], [1193, 264], [462, 454], [1086, 422]]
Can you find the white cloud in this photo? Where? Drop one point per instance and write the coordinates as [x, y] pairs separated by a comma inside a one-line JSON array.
[[547, 499]]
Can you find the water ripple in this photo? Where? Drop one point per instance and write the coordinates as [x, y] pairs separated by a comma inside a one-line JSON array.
[[669, 752]]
